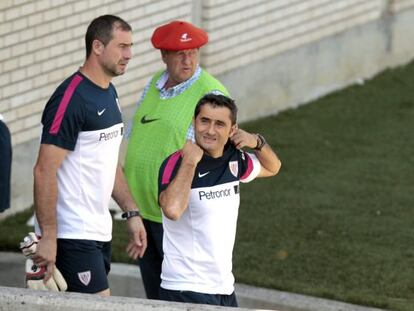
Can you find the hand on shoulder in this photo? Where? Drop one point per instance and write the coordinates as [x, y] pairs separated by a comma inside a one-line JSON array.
[[192, 153], [242, 138]]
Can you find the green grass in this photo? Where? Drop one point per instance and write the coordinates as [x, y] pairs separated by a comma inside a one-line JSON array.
[[337, 221]]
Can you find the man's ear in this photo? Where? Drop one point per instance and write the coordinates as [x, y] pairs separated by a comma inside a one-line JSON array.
[[233, 129], [164, 56], [97, 47]]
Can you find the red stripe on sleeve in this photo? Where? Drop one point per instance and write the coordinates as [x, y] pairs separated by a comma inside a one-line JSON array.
[[172, 161], [249, 167], [63, 105]]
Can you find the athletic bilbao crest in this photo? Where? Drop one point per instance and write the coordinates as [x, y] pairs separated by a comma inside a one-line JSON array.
[[234, 168], [85, 277]]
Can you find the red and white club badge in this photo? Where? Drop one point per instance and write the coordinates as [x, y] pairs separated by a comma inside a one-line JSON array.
[[234, 168], [85, 277]]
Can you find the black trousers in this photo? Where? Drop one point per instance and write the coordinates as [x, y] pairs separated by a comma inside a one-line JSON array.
[[194, 297], [150, 263], [5, 166]]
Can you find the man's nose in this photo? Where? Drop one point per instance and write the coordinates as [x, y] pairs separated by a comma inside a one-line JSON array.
[[210, 129], [128, 53], [186, 59]]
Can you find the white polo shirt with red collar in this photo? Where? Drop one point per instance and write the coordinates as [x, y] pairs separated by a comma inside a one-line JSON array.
[[198, 247]]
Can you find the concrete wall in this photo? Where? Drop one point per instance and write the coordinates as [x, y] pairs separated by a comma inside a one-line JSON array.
[[272, 55], [16, 299], [125, 281]]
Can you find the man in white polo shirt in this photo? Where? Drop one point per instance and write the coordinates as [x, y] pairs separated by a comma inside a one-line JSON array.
[[77, 169], [199, 196]]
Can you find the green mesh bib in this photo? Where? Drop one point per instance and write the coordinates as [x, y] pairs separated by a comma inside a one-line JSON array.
[[159, 128]]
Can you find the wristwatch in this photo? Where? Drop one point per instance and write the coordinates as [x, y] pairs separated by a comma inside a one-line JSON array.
[[129, 214], [261, 141]]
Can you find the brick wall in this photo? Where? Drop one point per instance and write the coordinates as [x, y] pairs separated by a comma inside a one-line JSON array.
[[243, 32], [41, 42], [400, 5]]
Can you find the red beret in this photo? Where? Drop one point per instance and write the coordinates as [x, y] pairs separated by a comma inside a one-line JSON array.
[[178, 35]]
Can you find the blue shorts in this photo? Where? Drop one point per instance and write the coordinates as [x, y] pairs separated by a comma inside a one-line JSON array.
[[84, 264], [194, 297]]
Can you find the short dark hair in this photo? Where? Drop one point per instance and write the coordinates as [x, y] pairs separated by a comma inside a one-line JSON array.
[[217, 100], [101, 28]]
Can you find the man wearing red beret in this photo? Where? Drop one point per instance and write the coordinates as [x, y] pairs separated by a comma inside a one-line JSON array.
[[160, 126]]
